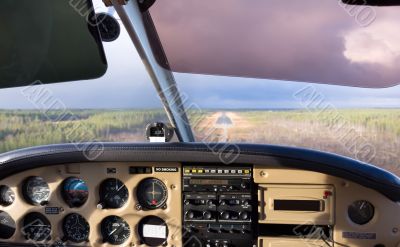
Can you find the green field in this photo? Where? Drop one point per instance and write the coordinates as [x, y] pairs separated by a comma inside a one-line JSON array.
[[371, 135], [19, 129]]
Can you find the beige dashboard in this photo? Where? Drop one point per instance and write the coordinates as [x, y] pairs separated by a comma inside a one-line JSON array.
[[93, 175], [271, 185], [383, 229]]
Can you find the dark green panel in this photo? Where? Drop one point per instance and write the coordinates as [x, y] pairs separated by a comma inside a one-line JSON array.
[[50, 41]]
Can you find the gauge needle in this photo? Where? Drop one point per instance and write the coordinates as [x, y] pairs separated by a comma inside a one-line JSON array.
[[153, 191], [122, 186], [112, 193], [112, 232]]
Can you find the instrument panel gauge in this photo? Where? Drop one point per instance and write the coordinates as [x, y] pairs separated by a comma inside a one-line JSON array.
[[76, 228], [152, 193], [153, 231], [115, 230], [36, 227], [36, 191], [113, 194], [75, 192], [361, 212], [7, 225], [7, 196]]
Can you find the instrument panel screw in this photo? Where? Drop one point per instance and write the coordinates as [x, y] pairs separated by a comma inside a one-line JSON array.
[[263, 174], [395, 230], [173, 186], [138, 207]]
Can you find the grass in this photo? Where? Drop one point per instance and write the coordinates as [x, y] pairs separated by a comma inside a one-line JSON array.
[[371, 135], [19, 129]]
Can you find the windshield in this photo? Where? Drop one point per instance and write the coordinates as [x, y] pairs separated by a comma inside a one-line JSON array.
[[359, 123]]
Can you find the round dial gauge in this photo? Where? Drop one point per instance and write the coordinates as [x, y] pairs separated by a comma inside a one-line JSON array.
[[7, 225], [75, 192], [7, 196], [113, 194], [76, 228], [36, 227], [153, 231], [36, 191], [361, 212], [152, 193], [115, 230]]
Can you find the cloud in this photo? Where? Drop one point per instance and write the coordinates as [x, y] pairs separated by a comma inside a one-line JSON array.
[[378, 44], [275, 39]]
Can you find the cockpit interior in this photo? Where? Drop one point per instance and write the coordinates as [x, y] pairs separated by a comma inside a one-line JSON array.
[[176, 189]]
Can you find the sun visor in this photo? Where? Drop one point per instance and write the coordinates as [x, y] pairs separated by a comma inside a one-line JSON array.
[[316, 41]]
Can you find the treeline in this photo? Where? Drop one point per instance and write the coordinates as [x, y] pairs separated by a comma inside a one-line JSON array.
[[377, 120], [19, 129]]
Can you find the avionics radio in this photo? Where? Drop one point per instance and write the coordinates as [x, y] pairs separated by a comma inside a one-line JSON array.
[[218, 205]]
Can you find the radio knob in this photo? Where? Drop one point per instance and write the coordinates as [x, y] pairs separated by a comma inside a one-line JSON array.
[[189, 229], [246, 203], [190, 214], [222, 202], [207, 215], [244, 216], [225, 215]]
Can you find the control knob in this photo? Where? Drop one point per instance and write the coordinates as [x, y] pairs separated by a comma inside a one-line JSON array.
[[190, 214], [244, 215], [225, 215], [207, 215]]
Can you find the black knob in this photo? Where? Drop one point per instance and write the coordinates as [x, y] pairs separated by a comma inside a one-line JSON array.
[[225, 215], [246, 203], [189, 230], [244, 216], [245, 230], [222, 202], [190, 214], [207, 215]]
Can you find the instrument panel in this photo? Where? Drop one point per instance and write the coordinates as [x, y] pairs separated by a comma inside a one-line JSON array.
[[108, 204], [191, 205]]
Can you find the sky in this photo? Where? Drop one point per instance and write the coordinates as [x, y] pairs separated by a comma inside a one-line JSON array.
[[127, 85]]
